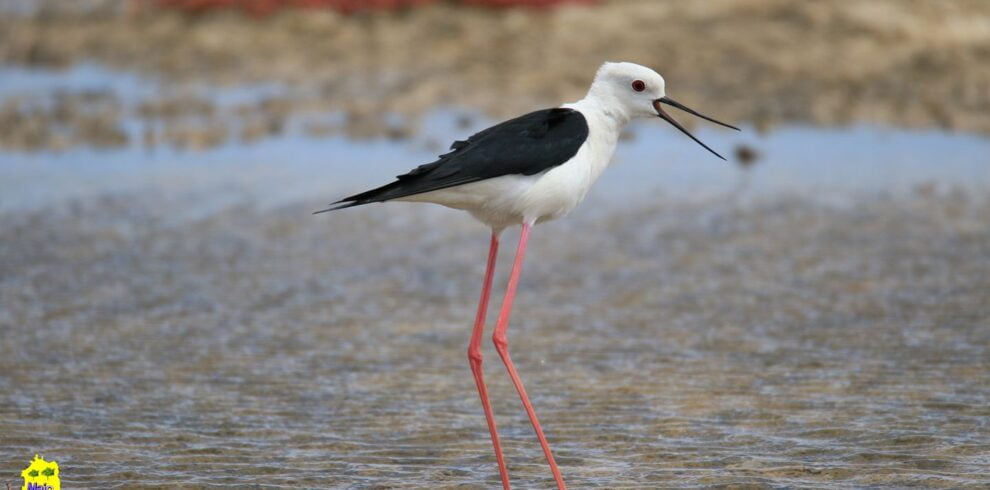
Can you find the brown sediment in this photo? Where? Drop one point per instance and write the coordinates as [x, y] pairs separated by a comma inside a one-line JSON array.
[[61, 120], [912, 64]]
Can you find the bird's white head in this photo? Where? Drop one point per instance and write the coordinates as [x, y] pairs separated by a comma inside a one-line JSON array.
[[628, 88], [627, 91]]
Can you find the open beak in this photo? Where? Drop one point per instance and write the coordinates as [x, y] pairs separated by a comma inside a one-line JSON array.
[[666, 117]]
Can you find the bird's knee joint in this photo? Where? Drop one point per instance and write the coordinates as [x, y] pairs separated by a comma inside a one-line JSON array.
[[501, 343], [475, 357]]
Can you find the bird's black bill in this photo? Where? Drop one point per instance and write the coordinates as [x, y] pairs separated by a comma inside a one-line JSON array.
[[672, 102], [666, 117]]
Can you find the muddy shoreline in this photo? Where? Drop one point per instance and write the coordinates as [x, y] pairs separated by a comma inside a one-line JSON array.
[[918, 64]]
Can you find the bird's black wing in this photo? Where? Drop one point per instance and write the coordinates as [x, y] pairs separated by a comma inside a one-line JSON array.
[[526, 145]]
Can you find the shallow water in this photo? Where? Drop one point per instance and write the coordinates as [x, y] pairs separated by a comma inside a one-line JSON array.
[[777, 344], [178, 319]]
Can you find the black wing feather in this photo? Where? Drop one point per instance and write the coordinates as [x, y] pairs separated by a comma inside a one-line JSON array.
[[526, 145]]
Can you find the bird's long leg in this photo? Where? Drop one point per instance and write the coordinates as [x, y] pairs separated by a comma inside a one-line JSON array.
[[502, 346], [474, 357]]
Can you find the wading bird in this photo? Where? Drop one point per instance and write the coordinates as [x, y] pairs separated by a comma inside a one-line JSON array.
[[523, 171]]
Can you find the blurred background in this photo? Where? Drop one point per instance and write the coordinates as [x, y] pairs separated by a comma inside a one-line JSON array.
[[813, 313]]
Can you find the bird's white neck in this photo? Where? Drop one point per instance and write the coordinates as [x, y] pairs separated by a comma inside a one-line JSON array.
[[601, 103], [606, 120]]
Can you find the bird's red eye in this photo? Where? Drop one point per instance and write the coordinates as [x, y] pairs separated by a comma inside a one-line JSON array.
[[638, 85]]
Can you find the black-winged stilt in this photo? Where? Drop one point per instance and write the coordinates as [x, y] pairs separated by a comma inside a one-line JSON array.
[[533, 168]]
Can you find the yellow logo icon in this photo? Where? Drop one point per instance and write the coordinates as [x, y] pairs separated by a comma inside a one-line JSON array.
[[41, 475]]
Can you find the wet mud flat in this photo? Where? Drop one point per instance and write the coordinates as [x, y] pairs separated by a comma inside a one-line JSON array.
[[775, 343]]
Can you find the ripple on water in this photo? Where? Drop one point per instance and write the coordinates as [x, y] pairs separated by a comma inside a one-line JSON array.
[[796, 344]]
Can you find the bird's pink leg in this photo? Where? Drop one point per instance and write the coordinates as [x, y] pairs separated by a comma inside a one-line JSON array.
[[502, 346], [474, 357]]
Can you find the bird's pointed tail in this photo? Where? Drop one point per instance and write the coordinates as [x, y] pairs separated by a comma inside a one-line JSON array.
[[380, 194], [338, 205]]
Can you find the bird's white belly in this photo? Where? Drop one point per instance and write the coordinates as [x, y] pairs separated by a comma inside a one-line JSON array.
[[512, 199]]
